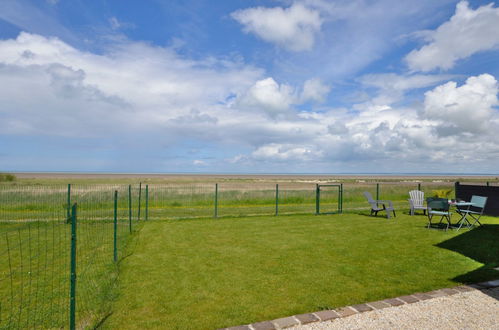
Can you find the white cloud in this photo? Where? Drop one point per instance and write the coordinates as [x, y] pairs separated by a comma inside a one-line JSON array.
[[117, 24], [468, 108], [293, 28], [391, 87], [395, 82], [466, 33], [285, 152], [269, 96], [52, 89], [314, 90], [27, 16], [66, 84], [198, 162]]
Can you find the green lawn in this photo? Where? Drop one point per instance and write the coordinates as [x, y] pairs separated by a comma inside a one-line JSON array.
[[213, 273]]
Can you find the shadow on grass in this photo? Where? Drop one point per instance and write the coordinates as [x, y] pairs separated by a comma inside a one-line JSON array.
[[381, 215], [482, 245]]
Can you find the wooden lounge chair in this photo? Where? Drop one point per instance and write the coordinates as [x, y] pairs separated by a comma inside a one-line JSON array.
[[386, 206], [417, 201]]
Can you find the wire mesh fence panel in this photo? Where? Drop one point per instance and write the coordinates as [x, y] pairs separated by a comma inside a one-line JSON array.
[[329, 199], [238, 199], [35, 239], [33, 232], [297, 198], [176, 201], [33, 274], [32, 202], [106, 217], [353, 196]]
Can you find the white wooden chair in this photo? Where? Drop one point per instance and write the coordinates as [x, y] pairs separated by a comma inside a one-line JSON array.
[[417, 201]]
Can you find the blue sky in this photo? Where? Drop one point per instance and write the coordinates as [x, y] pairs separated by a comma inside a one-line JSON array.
[[298, 86]]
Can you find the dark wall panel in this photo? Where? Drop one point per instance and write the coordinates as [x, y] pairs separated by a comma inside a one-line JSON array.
[[465, 192]]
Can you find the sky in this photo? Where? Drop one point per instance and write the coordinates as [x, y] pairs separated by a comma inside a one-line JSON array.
[[249, 86]]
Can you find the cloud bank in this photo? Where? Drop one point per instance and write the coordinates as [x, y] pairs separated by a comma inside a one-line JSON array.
[[466, 33], [174, 112]]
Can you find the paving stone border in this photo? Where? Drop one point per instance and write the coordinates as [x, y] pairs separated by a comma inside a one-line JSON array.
[[326, 315]]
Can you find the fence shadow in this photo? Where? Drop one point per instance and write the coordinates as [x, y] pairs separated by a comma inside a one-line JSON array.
[[482, 245]]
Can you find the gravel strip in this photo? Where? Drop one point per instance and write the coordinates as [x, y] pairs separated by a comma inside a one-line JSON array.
[[465, 310]]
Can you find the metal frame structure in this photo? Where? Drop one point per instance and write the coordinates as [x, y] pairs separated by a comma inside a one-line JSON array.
[[318, 198]]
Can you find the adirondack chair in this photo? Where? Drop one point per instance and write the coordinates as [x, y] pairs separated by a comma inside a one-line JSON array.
[[387, 206], [438, 207], [417, 201]]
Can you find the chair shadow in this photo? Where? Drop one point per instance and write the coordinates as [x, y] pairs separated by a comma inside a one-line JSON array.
[[482, 245], [379, 216]]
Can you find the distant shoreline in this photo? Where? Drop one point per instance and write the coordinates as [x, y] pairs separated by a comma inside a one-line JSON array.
[[103, 175]]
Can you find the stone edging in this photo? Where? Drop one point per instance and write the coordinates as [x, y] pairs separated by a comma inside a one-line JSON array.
[[326, 315]]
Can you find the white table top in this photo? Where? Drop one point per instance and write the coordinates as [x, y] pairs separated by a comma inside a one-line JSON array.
[[461, 203]]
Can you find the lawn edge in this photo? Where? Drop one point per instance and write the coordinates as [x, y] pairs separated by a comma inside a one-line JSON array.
[[346, 311]]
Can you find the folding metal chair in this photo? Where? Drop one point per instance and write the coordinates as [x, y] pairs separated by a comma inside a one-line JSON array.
[[438, 206], [474, 211]]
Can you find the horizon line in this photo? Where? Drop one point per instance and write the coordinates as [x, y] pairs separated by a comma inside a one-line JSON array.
[[256, 173]]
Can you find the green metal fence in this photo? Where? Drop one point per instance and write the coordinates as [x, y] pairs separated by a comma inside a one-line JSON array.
[[39, 222], [178, 201], [36, 252]]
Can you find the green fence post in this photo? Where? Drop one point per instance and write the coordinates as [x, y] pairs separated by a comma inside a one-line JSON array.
[[377, 191], [419, 186], [72, 280], [276, 199], [216, 200], [130, 207], [317, 198], [140, 197], [147, 202], [341, 197], [115, 225], [68, 215], [488, 184]]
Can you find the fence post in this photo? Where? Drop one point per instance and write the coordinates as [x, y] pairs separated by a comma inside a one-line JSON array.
[[147, 201], [276, 199], [72, 280], [456, 185], [317, 198], [341, 197], [130, 207], [488, 184], [377, 191], [419, 186], [68, 215], [216, 200], [115, 226], [140, 197]]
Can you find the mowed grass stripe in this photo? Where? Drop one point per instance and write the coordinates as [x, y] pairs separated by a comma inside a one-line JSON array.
[[212, 273]]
